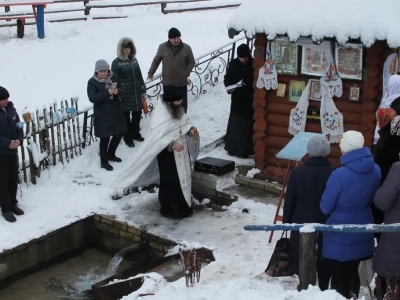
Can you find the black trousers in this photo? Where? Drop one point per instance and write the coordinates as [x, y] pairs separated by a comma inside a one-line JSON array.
[[345, 279], [132, 120], [182, 91], [108, 148], [8, 181]]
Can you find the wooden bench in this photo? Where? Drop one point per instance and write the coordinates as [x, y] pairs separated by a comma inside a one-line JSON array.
[[20, 22]]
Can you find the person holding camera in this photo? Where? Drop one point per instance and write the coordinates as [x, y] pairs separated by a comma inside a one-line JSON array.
[[108, 117], [11, 137]]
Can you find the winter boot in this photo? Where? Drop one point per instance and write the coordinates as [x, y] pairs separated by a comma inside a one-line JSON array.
[[17, 211], [139, 138], [9, 216], [107, 166], [114, 158]]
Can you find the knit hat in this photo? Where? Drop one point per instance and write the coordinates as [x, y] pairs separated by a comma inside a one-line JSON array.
[[351, 140], [243, 51], [173, 33], [101, 65], [318, 146], [4, 93]]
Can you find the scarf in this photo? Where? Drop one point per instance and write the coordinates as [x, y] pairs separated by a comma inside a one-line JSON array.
[[331, 118], [267, 75], [395, 126], [384, 116], [298, 115], [107, 80], [393, 92]]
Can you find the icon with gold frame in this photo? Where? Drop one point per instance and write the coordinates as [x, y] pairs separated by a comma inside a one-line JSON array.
[[280, 92]]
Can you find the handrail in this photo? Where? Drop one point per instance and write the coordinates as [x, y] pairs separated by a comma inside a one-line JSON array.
[[311, 227]]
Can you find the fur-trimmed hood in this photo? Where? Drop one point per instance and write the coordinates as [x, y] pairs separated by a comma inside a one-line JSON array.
[[120, 48]]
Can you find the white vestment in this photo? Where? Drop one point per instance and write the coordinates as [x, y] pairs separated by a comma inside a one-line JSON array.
[[142, 168]]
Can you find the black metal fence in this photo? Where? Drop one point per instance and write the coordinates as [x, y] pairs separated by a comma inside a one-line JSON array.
[[55, 135]]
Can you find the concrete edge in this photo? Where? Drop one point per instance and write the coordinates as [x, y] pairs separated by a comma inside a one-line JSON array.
[[271, 187]]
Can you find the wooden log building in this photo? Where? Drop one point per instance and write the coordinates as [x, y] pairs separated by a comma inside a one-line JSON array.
[[271, 113]]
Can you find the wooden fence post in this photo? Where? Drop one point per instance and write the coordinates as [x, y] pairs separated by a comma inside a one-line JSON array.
[[74, 102], [53, 141], [87, 9], [307, 266]]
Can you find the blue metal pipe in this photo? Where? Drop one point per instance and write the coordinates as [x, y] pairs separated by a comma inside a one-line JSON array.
[[366, 228]]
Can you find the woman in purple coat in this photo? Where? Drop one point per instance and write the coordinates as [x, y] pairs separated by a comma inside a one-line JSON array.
[[349, 192]]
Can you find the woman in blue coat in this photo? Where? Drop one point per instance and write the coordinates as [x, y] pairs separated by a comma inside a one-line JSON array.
[[349, 192]]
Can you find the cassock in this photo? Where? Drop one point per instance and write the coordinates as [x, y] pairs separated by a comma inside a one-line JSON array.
[[157, 161], [239, 132]]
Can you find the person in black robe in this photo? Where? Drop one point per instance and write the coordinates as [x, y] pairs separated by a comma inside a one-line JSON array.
[[239, 133], [302, 201], [170, 195]]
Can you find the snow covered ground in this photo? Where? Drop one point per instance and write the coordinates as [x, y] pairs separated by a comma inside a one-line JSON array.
[[36, 72]]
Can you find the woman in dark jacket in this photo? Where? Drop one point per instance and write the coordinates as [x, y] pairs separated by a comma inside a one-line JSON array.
[[383, 155], [387, 253], [105, 94], [127, 72], [303, 195], [239, 133]]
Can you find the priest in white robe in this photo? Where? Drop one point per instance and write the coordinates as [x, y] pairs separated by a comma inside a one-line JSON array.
[[171, 145]]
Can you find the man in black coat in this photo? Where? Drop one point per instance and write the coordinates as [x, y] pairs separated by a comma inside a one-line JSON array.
[[302, 200], [11, 136], [239, 133]]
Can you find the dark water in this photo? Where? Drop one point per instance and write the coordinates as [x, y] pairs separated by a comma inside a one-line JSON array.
[[65, 281]]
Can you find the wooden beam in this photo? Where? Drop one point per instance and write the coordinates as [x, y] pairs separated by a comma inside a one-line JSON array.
[[167, 11], [123, 4]]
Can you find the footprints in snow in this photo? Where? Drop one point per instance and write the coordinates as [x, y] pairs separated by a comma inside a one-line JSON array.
[[86, 179]]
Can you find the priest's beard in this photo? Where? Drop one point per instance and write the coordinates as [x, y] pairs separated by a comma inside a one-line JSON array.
[[176, 111]]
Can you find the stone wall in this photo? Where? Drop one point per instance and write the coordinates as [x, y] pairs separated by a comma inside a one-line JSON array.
[[98, 231], [114, 235], [209, 186]]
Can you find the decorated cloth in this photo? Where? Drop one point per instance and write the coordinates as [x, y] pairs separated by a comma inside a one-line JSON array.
[[395, 126], [384, 116], [142, 169], [267, 75], [332, 81], [389, 69], [331, 118], [298, 115]]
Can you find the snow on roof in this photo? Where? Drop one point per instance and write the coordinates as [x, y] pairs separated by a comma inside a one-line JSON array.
[[368, 20]]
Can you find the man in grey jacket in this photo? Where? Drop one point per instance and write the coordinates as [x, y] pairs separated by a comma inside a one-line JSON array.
[[177, 63]]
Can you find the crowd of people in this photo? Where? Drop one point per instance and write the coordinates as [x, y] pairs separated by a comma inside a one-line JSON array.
[[364, 190]]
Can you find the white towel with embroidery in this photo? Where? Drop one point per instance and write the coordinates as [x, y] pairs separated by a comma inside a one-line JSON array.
[[298, 115], [331, 118], [267, 75]]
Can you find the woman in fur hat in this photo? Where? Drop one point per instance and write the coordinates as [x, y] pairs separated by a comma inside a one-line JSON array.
[[127, 72]]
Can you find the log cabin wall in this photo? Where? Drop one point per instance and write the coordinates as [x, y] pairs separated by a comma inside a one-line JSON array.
[[271, 113]]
